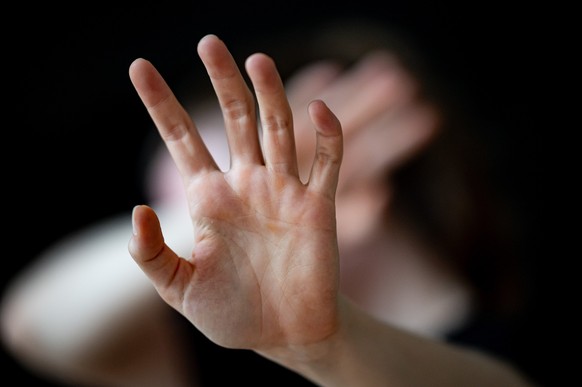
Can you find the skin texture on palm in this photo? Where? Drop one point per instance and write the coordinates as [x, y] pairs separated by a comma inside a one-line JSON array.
[[263, 272]]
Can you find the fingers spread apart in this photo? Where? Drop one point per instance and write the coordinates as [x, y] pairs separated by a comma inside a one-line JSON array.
[[278, 151]]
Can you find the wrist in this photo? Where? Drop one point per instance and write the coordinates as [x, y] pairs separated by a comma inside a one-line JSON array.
[[315, 360]]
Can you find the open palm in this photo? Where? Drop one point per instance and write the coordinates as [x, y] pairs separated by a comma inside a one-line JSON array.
[[263, 272]]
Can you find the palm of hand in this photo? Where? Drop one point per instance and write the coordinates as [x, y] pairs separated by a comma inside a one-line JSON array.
[[264, 266]]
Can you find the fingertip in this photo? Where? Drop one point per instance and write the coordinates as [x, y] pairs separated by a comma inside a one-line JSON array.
[[137, 64], [262, 69], [147, 234], [258, 59], [138, 60], [207, 38], [326, 122], [207, 42], [143, 74], [316, 105], [317, 108], [143, 218]]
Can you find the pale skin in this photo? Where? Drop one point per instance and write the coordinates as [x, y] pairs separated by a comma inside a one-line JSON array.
[[231, 287], [264, 271]]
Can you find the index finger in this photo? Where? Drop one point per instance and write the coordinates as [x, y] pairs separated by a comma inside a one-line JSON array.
[[171, 119]]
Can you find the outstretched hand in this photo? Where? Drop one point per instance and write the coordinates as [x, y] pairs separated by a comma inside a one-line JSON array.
[[263, 272]]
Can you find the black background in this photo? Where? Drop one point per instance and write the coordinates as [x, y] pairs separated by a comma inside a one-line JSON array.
[[74, 128]]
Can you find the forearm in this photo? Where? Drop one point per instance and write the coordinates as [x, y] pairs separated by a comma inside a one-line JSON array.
[[367, 352]]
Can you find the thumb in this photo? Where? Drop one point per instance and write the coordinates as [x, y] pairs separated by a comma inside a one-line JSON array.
[[165, 269]]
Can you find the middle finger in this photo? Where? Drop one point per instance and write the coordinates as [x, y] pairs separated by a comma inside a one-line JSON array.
[[235, 99]]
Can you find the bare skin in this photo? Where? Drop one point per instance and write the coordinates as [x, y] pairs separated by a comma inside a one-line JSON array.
[[264, 271]]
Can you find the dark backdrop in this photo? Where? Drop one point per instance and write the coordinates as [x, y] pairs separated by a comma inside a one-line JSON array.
[[74, 129]]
